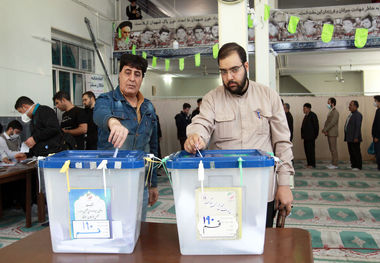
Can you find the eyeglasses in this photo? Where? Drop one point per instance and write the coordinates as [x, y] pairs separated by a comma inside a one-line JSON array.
[[232, 70]]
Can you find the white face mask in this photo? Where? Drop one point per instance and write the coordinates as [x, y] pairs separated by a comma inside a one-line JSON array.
[[24, 117], [329, 106], [14, 136], [375, 104]]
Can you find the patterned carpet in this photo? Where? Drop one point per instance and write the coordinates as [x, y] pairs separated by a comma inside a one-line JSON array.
[[340, 208]]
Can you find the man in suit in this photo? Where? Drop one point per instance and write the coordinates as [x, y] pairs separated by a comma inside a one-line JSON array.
[[309, 132], [353, 135], [331, 131], [376, 130]]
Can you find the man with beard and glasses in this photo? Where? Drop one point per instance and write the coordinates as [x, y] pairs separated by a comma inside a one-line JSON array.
[[243, 114]]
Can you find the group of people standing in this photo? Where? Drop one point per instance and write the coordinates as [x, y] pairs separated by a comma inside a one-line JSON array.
[[352, 133], [77, 129], [183, 119]]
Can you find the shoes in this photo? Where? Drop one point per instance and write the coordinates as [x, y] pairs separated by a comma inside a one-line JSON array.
[[309, 167], [45, 224], [355, 169], [331, 166]]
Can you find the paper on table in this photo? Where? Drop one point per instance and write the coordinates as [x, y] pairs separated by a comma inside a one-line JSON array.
[[24, 148]]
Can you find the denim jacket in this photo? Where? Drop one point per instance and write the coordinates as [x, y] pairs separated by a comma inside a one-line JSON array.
[[142, 136]]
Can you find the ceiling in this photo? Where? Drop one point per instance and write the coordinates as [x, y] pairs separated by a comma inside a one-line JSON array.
[[291, 63]]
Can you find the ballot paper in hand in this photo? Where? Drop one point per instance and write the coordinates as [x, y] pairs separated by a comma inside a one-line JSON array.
[[24, 148]]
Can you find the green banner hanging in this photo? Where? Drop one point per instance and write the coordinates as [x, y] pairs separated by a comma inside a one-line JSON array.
[[215, 50], [327, 32], [127, 40], [167, 64], [181, 63], [266, 12], [144, 54], [250, 21], [134, 49], [119, 31], [293, 22], [361, 35], [197, 59], [154, 62]]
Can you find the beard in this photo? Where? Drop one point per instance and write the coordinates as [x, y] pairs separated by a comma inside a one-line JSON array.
[[239, 85]]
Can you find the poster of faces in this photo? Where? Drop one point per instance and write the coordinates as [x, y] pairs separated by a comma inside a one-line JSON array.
[[203, 30], [344, 18], [162, 32]]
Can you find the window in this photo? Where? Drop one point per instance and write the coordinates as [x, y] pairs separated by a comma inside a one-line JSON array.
[[56, 52], [70, 55], [70, 64]]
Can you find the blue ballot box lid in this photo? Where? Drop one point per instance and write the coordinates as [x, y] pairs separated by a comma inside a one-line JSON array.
[[87, 159], [220, 159]]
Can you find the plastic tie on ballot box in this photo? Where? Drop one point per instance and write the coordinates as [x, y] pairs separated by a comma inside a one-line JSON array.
[[163, 163], [65, 169], [240, 160], [201, 174], [103, 166]]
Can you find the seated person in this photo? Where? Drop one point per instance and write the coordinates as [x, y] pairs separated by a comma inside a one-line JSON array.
[[10, 142]]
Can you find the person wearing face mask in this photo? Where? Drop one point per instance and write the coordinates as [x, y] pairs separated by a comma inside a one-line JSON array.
[[331, 131], [10, 142], [45, 129], [376, 130], [243, 114]]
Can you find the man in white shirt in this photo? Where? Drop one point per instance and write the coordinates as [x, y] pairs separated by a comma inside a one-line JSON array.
[[10, 141]]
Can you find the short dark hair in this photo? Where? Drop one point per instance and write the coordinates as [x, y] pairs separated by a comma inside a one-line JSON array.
[[164, 29], [90, 94], [348, 18], [287, 105], [356, 103], [377, 98], [307, 105], [180, 27], [15, 124], [23, 100], [199, 100], [60, 95], [229, 48], [124, 24], [186, 105], [147, 29], [333, 101], [133, 61], [199, 26]]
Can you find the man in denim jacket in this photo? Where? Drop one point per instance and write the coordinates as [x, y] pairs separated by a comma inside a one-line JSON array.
[[127, 120]]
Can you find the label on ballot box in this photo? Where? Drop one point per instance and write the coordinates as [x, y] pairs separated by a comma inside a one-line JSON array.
[[90, 213], [219, 213]]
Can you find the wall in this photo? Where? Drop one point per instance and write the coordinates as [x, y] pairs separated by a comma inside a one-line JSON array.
[[371, 80], [172, 86], [326, 82], [25, 65]]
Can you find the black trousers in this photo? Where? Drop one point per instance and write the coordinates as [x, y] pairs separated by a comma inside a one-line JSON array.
[[355, 154], [270, 214], [377, 152], [182, 141], [309, 146]]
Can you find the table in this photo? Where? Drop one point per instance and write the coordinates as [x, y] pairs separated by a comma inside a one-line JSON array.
[[23, 172], [159, 243]]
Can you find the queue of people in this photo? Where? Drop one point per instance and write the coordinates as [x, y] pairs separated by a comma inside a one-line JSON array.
[[352, 132]]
